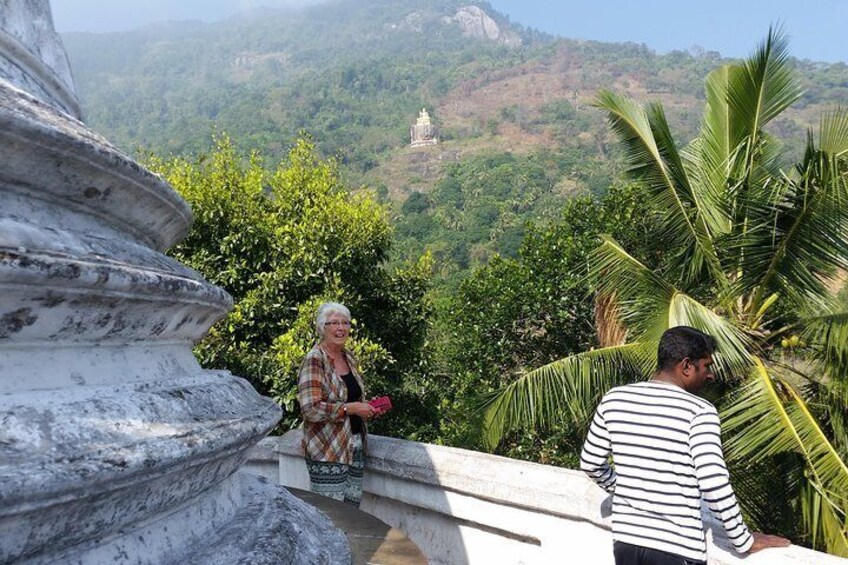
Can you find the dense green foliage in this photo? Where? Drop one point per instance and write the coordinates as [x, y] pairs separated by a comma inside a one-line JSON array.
[[281, 242], [355, 74], [514, 314], [749, 250], [482, 206]]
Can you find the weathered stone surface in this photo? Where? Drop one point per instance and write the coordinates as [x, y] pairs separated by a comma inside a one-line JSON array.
[[32, 55], [304, 537], [244, 520], [50, 154], [88, 463]]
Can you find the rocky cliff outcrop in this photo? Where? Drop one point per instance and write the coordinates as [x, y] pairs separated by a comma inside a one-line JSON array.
[[475, 22]]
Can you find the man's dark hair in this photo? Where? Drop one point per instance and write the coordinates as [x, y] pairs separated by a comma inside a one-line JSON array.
[[681, 342]]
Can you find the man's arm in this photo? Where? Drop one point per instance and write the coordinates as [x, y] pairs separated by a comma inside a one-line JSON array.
[[714, 482], [594, 459], [714, 479]]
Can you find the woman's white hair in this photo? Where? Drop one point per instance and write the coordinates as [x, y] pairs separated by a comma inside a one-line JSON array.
[[325, 311]]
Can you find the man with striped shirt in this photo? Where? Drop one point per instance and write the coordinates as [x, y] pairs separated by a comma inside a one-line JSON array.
[[666, 452]]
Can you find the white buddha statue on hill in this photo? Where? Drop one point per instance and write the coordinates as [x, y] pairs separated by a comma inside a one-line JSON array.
[[423, 132]]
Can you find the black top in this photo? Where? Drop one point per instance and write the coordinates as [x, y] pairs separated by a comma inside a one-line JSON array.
[[354, 394]]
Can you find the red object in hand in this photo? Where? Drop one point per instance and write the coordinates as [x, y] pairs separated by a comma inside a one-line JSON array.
[[381, 403]]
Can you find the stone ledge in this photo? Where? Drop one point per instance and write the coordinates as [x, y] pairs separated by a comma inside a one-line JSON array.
[[463, 506], [50, 154]]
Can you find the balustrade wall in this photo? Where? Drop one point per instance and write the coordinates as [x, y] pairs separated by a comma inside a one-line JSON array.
[[463, 506]]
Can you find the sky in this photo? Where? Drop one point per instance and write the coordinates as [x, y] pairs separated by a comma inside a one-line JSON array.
[[816, 28]]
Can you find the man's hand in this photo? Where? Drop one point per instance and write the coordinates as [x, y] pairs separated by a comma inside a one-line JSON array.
[[763, 541]]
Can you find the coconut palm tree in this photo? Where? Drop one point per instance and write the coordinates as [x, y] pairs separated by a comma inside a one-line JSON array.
[[749, 250]]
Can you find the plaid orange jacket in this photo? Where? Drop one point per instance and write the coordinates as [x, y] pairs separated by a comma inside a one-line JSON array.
[[322, 394]]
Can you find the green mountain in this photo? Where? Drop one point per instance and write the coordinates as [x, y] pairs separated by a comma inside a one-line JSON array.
[[517, 132], [354, 73]]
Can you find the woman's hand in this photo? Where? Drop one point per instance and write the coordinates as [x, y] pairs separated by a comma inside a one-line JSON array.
[[361, 409]]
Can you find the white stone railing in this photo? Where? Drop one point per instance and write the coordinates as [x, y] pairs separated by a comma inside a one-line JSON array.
[[463, 506]]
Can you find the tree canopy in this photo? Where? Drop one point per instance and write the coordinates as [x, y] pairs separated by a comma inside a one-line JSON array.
[[515, 313], [749, 250], [281, 242]]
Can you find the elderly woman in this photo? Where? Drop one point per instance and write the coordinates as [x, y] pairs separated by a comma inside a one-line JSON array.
[[331, 392]]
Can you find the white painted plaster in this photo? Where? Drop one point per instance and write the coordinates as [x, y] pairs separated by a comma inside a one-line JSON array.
[[463, 506]]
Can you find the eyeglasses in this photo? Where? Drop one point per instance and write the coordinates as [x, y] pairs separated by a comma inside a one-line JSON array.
[[337, 323]]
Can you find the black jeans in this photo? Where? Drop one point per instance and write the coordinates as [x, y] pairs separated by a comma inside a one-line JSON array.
[[627, 554]]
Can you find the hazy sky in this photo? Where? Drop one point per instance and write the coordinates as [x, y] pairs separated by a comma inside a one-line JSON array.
[[816, 28]]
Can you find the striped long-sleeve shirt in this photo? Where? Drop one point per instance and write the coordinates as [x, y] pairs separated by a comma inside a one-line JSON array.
[[666, 456]]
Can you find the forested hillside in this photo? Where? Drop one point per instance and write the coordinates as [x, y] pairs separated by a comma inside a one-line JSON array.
[[353, 73], [518, 134]]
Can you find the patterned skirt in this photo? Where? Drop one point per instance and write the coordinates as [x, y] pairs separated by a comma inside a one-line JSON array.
[[338, 480]]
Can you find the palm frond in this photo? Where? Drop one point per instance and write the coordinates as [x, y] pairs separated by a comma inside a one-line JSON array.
[[648, 306], [836, 404], [567, 389], [756, 91], [741, 99], [831, 400], [801, 237], [760, 89], [767, 417], [608, 324], [827, 162], [654, 160], [765, 492], [708, 177], [827, 336], [714, 153], [798, 228], [825, 528], [833, 133], [718, 139], [633, 127], [768, 222], [641, 295]]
